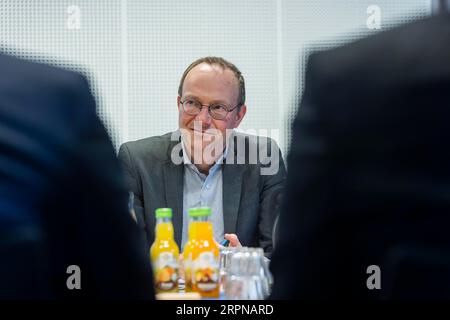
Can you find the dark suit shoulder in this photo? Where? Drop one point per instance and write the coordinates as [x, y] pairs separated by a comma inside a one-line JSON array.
[[258, 150], [39, 74], [398, 52], [56, 104], [255, 142], [155, 148]]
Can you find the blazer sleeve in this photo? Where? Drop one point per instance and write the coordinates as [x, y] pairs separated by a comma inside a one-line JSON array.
[[133, 183], [272, 188]]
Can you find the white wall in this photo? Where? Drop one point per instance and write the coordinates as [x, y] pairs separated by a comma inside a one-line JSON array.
[[135, 51]]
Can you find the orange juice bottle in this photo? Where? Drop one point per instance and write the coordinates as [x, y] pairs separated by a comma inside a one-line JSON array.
[[205, 254], [164, 253], [188, 250]]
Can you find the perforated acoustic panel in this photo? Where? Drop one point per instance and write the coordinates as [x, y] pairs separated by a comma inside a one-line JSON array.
[[79, 35], [166, 36], [134, 52], [309, 26]]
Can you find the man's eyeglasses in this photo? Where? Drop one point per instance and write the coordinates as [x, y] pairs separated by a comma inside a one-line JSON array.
[[217, 111]]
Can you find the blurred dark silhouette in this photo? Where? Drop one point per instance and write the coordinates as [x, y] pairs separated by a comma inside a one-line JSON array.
[[276, 205], [62, 200], [369, 171], [440, 6]]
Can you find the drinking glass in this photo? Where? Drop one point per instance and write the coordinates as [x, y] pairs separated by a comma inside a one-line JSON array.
[[248, 276]]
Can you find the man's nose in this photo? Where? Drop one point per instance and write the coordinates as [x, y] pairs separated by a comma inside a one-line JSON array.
[[204, 115]]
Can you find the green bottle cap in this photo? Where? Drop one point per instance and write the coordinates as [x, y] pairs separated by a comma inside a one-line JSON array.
[[163, 213], [199, 212]]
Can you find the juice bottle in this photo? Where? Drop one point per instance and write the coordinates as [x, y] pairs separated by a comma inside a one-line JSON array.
[[205, 255], [164, 253], [188, 250]]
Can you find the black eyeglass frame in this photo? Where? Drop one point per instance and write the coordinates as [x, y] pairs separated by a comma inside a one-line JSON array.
[[209, 109]]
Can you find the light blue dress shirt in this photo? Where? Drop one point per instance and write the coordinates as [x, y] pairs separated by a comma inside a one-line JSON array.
[[200, 190]]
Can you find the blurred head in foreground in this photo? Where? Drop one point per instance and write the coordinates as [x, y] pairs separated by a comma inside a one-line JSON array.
[[65, 231], [368, 208]]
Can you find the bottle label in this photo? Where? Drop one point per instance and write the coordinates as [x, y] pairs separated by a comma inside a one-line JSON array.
[[206, 271], [166, 271], [188, 269]]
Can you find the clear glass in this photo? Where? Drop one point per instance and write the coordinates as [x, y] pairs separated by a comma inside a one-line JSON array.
[[248, 276], [224, 264]]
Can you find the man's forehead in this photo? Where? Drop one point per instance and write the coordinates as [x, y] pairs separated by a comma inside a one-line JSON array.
[[213, 76], [206, 68], [209, 67]]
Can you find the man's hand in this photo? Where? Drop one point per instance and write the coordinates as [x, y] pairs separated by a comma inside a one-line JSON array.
[[234, 240]]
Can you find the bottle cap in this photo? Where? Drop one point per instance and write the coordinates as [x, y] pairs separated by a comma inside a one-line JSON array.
[[163, 213], [199, 212]]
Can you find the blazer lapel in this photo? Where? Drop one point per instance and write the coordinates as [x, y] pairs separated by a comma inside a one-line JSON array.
[[232, 184], [173, 184], [232, 180]]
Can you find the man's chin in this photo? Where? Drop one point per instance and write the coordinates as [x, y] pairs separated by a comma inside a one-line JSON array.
[[210, 151], [203, 139], [206, 136]]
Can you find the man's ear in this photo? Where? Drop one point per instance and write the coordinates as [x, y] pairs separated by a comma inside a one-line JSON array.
[[179, 103], [240, 115]]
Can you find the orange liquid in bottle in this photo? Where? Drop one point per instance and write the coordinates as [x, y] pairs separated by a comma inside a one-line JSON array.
[[187, 257], [164, 254], [205, 260]]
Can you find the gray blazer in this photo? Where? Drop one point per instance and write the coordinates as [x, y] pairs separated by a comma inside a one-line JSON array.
[[249, 198]]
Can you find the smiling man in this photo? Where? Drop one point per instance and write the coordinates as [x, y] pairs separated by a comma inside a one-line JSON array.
[[206, 163]]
